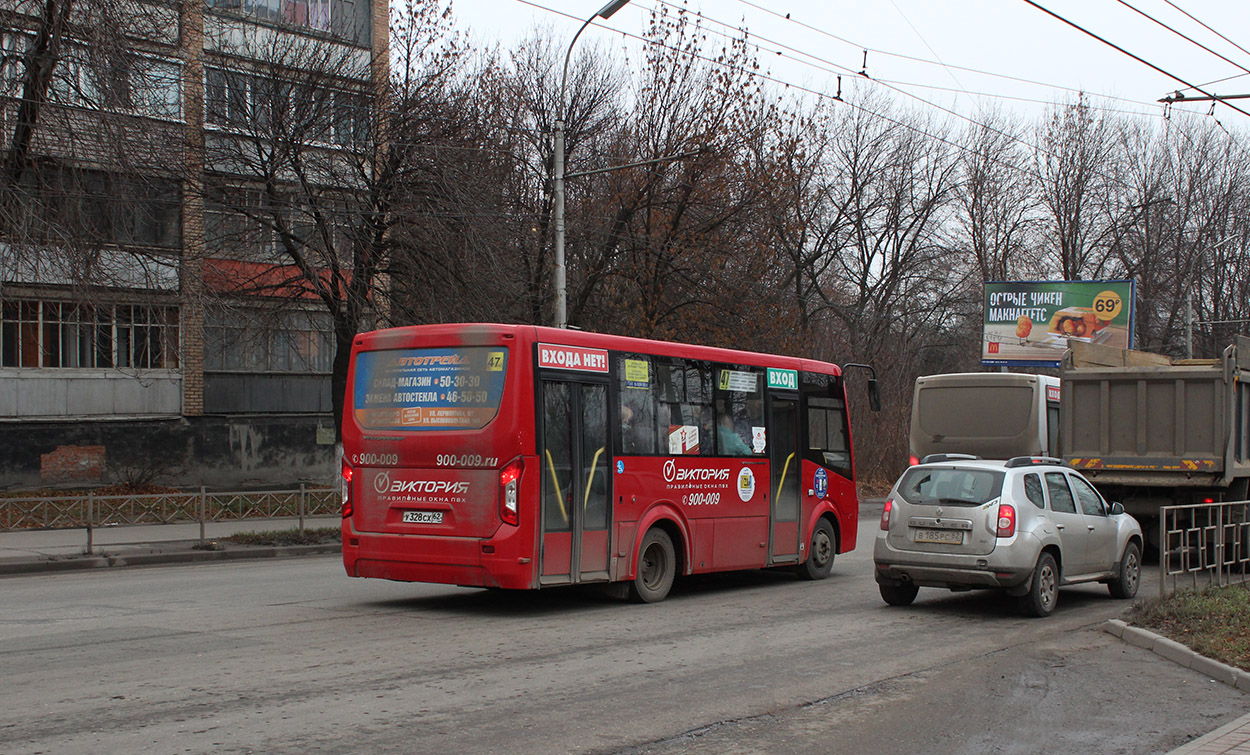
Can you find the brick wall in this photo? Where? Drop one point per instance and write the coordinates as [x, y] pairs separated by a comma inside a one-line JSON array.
[[191, 282], [72, 464]]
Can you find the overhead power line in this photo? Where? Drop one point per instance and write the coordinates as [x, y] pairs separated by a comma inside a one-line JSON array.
[[925, 61], [1139, 59], [1182, 35], [1208, 28]]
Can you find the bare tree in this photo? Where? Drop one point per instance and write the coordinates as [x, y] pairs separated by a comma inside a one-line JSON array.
[[996, 202], [317, 145], [1076, 183]]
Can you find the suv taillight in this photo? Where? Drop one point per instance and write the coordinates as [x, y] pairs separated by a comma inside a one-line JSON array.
[[509, 490], [347, 489], [885, 513], [1006, 520]]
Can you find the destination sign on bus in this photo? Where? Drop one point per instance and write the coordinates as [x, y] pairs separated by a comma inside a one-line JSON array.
[[561, 357], [429, 389], [784, 379]]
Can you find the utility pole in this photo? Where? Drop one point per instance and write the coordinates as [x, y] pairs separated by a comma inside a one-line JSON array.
[[557, 167]]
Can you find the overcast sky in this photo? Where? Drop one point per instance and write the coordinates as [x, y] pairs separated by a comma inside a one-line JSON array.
[[958, 44]]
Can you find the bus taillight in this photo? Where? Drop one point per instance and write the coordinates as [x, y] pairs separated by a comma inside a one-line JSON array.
[[347, 489], [509, 482]]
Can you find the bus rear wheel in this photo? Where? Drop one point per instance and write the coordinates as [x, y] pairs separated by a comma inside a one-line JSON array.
[[820, 553], [657, 566]]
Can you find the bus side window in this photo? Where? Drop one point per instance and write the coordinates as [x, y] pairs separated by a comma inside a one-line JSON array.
[[827, 443], [739, 413], [684, 416], [637, 405], [1052, 428]]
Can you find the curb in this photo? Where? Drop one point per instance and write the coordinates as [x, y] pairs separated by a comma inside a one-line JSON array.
[[13, 567], [1179, 654]]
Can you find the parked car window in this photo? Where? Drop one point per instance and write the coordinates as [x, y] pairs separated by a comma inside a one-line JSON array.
[[926, 485], [1091, 502], [1060, 495], [1033, 490]]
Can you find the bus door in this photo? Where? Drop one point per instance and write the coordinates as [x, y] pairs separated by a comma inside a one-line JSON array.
[[786, 464], [573, 453]]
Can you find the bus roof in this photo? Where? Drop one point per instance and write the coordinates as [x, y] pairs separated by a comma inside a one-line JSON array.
[[467, 332]]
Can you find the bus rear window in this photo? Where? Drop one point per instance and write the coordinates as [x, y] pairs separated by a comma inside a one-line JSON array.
[[429, 389], [983, 411]]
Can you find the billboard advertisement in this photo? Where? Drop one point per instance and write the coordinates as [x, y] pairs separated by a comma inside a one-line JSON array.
[[1029, 323]]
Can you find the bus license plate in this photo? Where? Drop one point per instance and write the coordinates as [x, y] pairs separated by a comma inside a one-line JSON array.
[[952, 537], [423, 517]]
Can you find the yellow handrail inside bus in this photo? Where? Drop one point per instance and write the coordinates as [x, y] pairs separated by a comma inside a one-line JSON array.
[[555, 479], [784, 470], [594, 467]]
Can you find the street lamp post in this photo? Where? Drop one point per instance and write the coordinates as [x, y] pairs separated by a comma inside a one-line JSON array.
[[557, 169]]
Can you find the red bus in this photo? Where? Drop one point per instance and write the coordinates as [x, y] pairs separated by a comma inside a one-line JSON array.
[[523, 457]]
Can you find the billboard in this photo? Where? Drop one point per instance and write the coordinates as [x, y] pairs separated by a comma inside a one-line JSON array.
[[1028, 323]]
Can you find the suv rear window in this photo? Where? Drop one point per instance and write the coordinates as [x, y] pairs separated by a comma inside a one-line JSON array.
[[972, 487]]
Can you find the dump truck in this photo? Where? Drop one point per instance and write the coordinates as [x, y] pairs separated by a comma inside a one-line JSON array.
[[1150, 431]]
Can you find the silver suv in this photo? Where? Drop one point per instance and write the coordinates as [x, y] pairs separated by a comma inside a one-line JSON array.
[[1027, 525]]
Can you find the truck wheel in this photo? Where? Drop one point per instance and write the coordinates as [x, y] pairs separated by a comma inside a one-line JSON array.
[[820, 553], [1044, 589], [657, 565], [899, 595], [1128, 576]]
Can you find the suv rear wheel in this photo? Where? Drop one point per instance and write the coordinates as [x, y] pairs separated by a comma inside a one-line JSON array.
[[1044, 589]]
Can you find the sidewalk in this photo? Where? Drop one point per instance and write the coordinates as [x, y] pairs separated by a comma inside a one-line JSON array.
[[1230, 738], [36, 551]]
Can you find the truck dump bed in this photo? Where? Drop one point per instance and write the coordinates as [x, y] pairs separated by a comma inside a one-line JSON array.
[[1137, 419]]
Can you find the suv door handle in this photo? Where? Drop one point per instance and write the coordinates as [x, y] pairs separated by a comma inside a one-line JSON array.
[[1059, 527], [1089, 527]]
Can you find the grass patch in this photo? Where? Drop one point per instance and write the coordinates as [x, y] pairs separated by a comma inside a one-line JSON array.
[[309, 536], [1214, 621]]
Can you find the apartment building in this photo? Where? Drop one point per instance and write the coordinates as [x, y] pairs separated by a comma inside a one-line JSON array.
[[152, 320]]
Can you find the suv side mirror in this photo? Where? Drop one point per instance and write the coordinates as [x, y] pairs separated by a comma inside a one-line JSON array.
[[1117, 508]]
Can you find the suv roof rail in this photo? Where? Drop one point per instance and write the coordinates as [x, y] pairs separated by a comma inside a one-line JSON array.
[[1029, 461], [934, 458]]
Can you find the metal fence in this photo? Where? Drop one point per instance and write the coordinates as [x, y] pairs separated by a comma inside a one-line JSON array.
[[89, 511], [1204, 544]]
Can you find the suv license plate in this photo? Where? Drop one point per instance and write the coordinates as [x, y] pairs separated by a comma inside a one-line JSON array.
[[423, 517], [952, 537]]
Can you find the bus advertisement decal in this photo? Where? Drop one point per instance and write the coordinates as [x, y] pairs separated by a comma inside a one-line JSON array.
[[429, 389]]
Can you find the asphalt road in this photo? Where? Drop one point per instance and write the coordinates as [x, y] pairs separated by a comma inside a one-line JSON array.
[[294, 657]]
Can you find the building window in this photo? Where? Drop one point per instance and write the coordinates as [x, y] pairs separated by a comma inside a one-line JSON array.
[[52, 334], [346, 19], [13, 46], [260, 341], [127, 83], [266, 106], [240, 224], [108, 208]]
